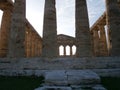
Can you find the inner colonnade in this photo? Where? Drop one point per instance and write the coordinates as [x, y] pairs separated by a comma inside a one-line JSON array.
[[19, 39]]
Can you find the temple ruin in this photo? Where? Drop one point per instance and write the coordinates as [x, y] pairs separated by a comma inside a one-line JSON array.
[[88, 41], [24, 52]]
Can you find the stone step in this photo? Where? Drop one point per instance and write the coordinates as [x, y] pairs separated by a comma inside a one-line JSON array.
[[71, 80], [71, 77]]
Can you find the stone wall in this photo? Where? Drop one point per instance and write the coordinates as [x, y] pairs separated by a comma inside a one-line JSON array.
[[104, 66]]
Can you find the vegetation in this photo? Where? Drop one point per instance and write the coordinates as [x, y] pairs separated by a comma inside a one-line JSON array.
[[20, 83], [30, 83], [111, 83]]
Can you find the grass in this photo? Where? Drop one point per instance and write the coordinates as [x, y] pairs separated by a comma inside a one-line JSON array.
[[111, 83], [20, 83]]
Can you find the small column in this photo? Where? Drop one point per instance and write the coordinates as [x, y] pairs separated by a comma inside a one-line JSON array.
[[83, 38], [113, 22], [64, 50], [36, 46], [49, 47], [29, 44], [96, 43], [17, 31], [33, 44], [71, 53], [4, 32], [103, 42], [26, 43]]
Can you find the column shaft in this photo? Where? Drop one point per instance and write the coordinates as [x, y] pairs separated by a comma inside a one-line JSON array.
[[4, 32], [17, 31], [50, 30], [113, 21], [64, 50], [71, 53], [83, 41], [96, 43], [103, 42]]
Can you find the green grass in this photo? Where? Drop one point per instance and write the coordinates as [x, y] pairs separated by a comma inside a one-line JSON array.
[[20, 83], [111, 83]]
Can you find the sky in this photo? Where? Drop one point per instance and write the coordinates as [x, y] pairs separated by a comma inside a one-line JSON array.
[[65, 14]]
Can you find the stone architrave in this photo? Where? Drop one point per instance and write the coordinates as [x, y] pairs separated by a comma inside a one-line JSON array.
[[113, 21], [49, 47], [4, 32], [83, 38], [17, 31]]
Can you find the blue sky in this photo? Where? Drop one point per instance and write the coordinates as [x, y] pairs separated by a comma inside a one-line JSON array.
[[65, 14]]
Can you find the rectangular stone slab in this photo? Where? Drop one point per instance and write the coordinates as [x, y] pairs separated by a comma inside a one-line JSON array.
[[53, 88], [71, 77]]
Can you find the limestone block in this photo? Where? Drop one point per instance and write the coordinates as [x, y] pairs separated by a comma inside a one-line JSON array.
[[77, 77], [54, 88], [57, 77], [71, 77], [98, 87]]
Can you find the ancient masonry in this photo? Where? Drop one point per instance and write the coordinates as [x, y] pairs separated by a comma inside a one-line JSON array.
[[16, 41], [97, 52]]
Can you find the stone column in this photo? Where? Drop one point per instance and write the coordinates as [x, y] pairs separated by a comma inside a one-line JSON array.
[[103, 41], [26, 43], [17, 31], [113, 21], [49, 48], [33, 44], [71, 53], [4, 32], [96, 43], [83, 41], [64, 50], [29, 44]]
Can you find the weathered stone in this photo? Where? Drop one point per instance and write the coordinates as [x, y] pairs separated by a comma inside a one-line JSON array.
[[98, 87], [17, 31], [71, 77], [4, 32], [54, 88], [113, 22], [83, 38], [50, 30], [57, 77], [103, 42], [75, 77], [96, 43]]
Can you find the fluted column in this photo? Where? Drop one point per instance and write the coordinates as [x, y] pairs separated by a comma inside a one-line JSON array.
[[17, 31], [83, 41], [4, 32], [49, 48], [96, 43], [103, 41], [113, 21], [33, 44]]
